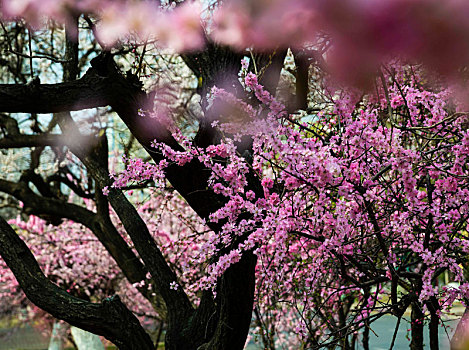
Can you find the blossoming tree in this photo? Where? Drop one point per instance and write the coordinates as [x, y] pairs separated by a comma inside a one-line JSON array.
[[329, 207]]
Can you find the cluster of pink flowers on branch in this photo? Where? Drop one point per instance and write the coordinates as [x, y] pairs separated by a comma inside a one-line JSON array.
[[369, 194]]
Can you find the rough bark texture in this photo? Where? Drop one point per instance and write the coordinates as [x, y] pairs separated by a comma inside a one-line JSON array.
[[89, 92], [432, 306], [110, 318], [107, 234], [235, 304], [20, 141], [416, 327]]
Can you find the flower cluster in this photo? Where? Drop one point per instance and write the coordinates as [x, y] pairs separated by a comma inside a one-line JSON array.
[[339, 213]]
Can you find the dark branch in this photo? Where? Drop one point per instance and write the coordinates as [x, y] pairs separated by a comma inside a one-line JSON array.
[[91, 91], [106, 233], [110, 318], [177, 302]]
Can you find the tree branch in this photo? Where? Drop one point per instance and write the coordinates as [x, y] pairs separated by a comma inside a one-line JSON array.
[[91, 91], [110, 318], [106, 233], [177, 302]]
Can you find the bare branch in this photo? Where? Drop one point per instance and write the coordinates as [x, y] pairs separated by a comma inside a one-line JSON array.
[[111, 318]]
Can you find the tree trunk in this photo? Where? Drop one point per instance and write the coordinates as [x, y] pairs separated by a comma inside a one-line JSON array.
[[416, 327], [222, 323], [366, 336], [433, 332], [433, 305]]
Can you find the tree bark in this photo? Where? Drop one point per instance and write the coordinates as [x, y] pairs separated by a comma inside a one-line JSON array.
[[416, 327], [110, 318], [103, 229], [432, 305]]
